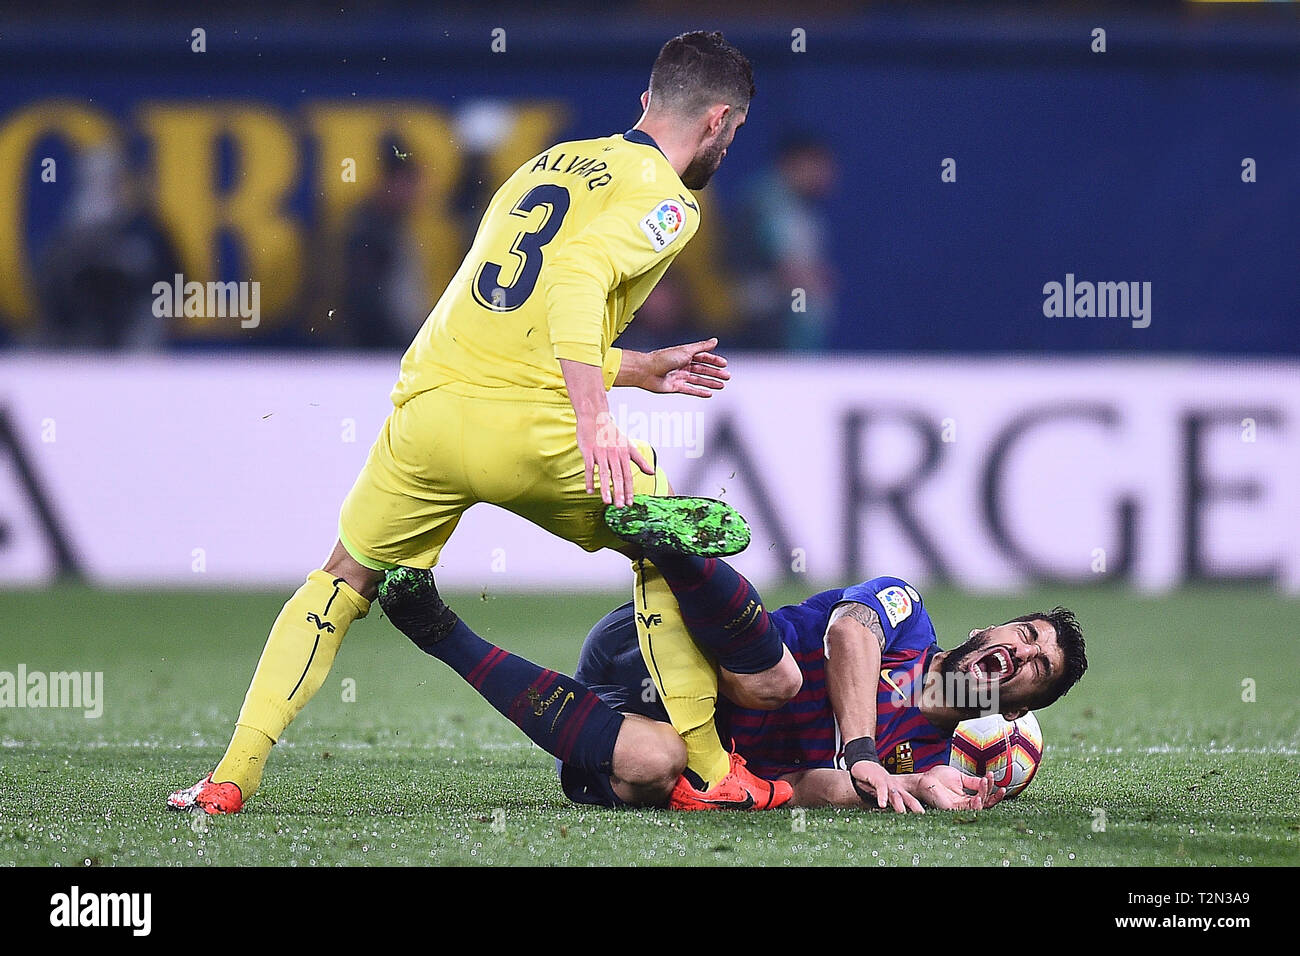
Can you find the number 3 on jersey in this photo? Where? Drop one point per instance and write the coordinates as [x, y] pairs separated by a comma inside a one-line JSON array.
[[489, 291]]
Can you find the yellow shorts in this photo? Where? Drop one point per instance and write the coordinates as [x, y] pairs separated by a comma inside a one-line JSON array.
[[455, 446]]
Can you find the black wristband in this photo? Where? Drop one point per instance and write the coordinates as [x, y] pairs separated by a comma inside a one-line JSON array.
[[856, 751], [859, 749]]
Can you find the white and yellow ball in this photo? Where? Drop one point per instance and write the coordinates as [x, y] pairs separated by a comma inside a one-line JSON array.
[[1011, 749]]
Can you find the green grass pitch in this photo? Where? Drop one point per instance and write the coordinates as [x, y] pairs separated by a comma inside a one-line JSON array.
[[1154, 759]]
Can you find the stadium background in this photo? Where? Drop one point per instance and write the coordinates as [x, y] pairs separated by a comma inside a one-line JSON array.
[[342, 164], [919, 415]]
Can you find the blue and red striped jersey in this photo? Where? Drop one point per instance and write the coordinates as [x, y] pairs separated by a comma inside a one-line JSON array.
[[803, 734]]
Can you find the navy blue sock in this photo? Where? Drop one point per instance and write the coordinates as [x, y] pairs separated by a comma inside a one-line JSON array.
[[557, 713], [722, 610]]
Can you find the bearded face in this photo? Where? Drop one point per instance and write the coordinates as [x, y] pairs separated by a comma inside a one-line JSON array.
[[704, 164], [1015, 663], [709, 157]]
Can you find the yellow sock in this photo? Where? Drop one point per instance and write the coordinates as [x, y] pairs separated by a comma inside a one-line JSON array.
[[686, 678], [297, 657]]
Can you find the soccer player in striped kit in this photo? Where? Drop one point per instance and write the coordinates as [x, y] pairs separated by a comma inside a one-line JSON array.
[[871, 725]]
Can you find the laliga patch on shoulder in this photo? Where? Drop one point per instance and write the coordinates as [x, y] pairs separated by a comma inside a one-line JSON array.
[[663, 223], [896, 602]]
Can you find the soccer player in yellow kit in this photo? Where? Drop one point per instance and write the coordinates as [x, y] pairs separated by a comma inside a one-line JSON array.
[[511, 366]]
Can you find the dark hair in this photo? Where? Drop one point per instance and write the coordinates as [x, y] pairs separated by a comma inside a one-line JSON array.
[[1069, 635], [697, 70]]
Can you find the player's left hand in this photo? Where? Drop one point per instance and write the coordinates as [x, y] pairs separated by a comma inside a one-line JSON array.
[[607, 458], [691, 369], [947, 788]]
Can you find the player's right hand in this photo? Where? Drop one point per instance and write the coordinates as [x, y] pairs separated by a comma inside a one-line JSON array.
[[874, 783], [607, 457], [692, 369]]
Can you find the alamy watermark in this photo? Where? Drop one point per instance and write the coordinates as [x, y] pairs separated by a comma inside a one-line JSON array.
[[1102, 300], [950, 689], [81, 690], [661, 429], [133, 911], [208, 300]]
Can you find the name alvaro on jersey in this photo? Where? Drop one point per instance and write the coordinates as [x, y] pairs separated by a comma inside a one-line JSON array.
[[583, 166]]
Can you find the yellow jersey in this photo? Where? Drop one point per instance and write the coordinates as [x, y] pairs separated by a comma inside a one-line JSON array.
[[569, 248]]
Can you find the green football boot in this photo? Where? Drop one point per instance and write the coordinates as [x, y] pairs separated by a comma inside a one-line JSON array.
[[411, 601], [700, 526]]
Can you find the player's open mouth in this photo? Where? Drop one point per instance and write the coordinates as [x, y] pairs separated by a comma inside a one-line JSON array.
[[995, 665]]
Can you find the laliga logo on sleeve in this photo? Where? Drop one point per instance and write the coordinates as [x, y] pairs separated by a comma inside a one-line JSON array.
[[670, 217], [663, 223], [896, 602]]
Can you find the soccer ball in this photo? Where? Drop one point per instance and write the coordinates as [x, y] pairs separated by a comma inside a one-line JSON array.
[[1012, 749]]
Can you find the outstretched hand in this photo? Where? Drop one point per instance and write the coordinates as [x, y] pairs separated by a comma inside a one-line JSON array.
[[947, 788], [691, 369]]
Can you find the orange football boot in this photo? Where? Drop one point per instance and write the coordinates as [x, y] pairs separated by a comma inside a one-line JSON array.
[[738, 790], [213, 798]]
